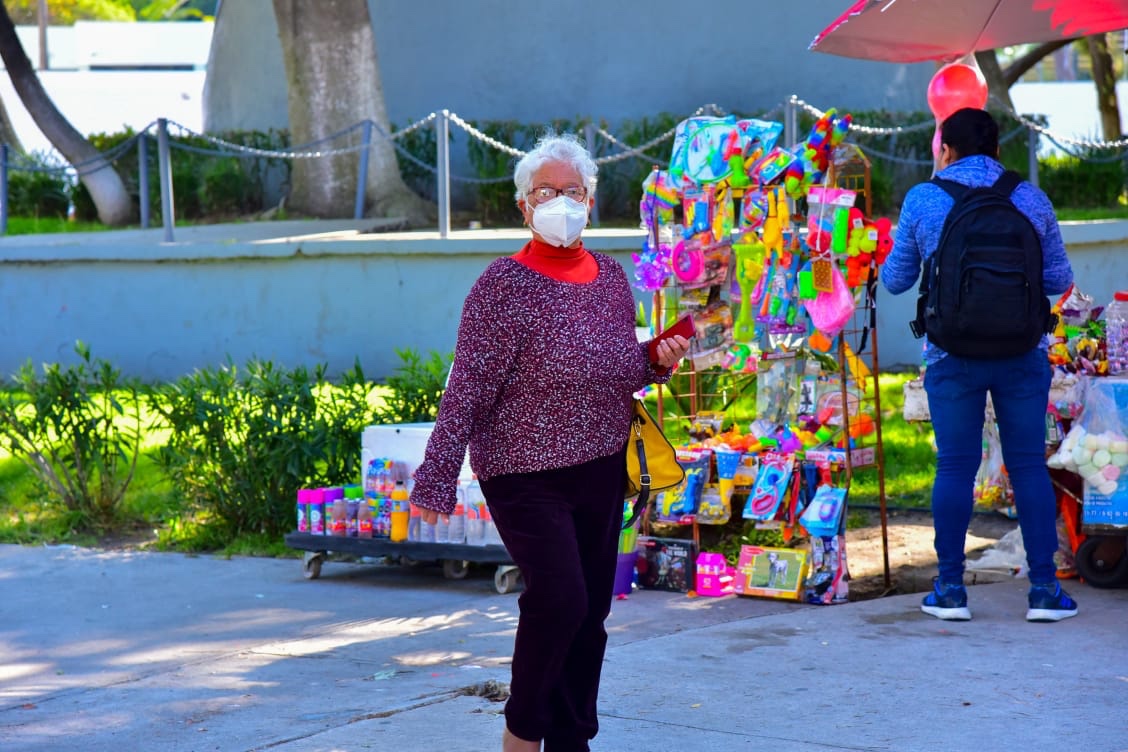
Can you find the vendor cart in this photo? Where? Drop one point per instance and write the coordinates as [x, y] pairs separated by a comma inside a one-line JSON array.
[[405, 443], [455, 558]]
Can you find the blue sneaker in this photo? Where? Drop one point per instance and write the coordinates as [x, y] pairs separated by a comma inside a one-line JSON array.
[[1050, 603], [946, 601]]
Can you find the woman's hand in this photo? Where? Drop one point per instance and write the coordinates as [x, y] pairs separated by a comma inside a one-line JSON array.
[[431, 517], [671, 350]]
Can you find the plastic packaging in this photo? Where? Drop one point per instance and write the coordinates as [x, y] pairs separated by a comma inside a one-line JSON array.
[[1116, 333], [303, 510], [353, 500], [336, 511], [317, 511]]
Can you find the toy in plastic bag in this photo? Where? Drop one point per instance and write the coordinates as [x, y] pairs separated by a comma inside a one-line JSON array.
[[777, 393], [713, 337], [823, 515], [1096, 447], [992, 485], [659, 198], [710, 149], [680, 504], [831, 311], [772, 482], [715, 508]]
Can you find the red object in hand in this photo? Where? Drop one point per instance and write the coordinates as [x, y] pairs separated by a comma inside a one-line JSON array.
[[683, 326]]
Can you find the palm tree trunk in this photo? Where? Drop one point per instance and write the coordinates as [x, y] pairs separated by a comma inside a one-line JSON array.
[[333, 78], [1105, 79], [101, 180]]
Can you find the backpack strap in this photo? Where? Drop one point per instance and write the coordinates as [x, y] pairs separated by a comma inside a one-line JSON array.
[[1007, 182], [951, 187]]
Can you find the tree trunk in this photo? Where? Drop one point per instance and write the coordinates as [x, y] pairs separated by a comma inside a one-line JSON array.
[[7, 132], [99, 177], [1015, 70], [1105, 80], [333, 74], [997, 84]]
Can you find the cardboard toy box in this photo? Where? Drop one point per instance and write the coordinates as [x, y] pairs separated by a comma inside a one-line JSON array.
[[771, 572], [665, 563]]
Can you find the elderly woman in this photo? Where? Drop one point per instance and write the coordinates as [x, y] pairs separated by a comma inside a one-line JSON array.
[[545, 366]]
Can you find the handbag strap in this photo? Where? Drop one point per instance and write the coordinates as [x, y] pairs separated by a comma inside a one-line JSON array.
[[644, 477]]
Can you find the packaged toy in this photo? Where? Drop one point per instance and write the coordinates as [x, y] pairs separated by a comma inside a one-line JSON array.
[[771, 572], [828, 581], [665, 563], [772, 483], [715, 577]]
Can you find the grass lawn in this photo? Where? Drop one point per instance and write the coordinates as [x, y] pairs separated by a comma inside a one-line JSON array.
[[151, 507]]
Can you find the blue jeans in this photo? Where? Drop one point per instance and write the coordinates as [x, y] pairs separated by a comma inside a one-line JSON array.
[[957, 391]]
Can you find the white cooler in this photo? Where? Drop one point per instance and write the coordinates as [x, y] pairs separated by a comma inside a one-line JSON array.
[[402, 442]]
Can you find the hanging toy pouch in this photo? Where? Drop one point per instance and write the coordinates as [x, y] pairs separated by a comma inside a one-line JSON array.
[[753, 209], [713, 336], [831, 311], [698, 154], [715, 508], [699, 262], [723, 213], [653, 262], [772, 482], [659, 198], [679, 505], [727, 461], [823, 514], [821, 205], [744, 476], [992, 485], [697, 211], [758, 137], [777, 398]]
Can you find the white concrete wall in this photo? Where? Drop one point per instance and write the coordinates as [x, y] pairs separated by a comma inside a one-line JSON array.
[[309, 293]]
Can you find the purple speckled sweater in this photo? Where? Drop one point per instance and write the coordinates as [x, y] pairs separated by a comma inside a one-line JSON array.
[[543, 377]]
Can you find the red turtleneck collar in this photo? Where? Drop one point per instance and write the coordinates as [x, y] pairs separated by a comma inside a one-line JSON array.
[[562, 264]]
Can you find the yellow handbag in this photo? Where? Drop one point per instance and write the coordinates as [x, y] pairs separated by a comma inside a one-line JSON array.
[[652, 463]]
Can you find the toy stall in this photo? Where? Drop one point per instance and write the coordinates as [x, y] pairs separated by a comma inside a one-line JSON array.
[[772, 252], [375, 518], [1086, 441]]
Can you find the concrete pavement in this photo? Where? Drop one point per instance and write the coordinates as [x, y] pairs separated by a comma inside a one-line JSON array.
[[155, 652]]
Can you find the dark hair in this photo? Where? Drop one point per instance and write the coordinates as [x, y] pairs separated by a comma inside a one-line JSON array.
[[971, 131]]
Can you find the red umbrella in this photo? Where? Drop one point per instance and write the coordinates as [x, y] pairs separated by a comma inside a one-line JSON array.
[[910, 31]]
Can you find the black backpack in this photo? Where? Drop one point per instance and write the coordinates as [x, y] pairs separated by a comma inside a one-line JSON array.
[[981, 292]]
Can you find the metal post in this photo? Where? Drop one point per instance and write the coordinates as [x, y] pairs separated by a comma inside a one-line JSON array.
[[362, 170], [791, 121], [3, 189], [164, 174], [589, 137], [1032, 139], [143, 177], [442, 158]]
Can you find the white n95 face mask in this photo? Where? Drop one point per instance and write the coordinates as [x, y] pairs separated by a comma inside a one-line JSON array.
[[560, 221]]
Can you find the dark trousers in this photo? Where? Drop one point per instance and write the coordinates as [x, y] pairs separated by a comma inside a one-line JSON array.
[[561, 527]]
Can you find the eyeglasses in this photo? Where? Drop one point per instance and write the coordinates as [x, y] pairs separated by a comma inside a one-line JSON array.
[[547, 193]]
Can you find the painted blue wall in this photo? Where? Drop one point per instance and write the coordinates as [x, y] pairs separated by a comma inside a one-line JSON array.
[[305, 293], [529, 61]]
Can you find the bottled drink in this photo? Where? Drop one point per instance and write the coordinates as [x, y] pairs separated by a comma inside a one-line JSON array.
[[400, 513], [1116, 334], [353, 501]]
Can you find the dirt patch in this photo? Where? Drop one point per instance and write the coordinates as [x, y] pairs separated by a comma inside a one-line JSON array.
[[912, 560]]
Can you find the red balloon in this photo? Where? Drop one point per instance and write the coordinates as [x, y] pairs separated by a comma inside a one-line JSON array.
[[954, 87]]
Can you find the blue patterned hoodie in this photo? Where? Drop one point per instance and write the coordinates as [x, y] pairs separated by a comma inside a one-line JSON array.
[[924, 210]]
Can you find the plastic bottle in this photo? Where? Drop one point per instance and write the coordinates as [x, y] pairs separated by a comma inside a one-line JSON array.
[[317, 511], [353, 500], [456, 530], [414, 523], [400, 513], [490, 536], [336, 511], [1116, 333], [303, 510], [475, 523]]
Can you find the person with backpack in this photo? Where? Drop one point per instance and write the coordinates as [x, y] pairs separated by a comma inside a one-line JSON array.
[[991, 252]]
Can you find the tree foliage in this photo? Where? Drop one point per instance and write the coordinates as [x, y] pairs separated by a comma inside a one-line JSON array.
[[66, 12]]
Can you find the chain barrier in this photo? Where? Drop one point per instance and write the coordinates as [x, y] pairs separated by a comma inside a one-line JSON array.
[[626, 151]]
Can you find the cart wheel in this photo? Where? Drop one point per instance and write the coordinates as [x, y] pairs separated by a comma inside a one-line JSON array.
[[311, 564], [507, 579], [407, 561], [1102, 561], [455, 569]]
